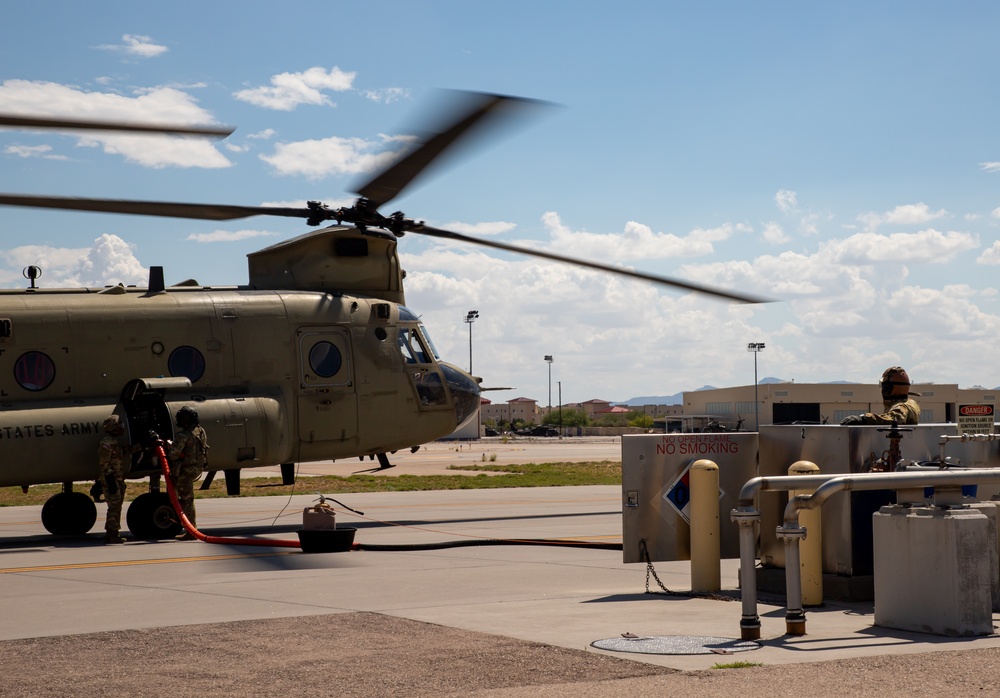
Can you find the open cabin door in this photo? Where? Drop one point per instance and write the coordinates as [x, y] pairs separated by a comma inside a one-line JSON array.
[[145, 410]]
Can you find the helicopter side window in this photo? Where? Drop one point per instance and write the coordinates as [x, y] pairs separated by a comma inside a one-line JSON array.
[[411, 347], [325, 359], [34, 371], [187, 362]]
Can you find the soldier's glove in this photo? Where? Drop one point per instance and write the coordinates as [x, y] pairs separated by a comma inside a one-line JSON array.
[[110, 484], [150, 440], [97, 491], [852, 419]]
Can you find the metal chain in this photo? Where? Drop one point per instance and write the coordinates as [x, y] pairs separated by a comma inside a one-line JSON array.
[[650, 572]]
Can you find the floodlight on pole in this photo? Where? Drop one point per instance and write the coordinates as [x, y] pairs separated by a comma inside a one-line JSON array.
[[548, 359], [756, 348], [470, 317]]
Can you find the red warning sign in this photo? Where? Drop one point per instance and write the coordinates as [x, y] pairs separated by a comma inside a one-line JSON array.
[[975, 419]]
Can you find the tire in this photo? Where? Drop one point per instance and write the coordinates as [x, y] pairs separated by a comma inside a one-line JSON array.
[[69, 514], [151, 516]]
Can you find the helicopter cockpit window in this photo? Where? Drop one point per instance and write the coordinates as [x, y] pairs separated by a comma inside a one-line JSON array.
[[429, 343], [325, 359], [411, 346], [187, 362], [34, 371], [407, 315]]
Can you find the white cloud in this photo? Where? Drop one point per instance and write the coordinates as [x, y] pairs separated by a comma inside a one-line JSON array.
[[927, 246], [907, 214], [158, 105], [289, 90], [135, 46], [774, 233], [108, 261], [34, 151], [229, 235], [636, 241], [990, 166], [787, 200], [486, 228], [990, 255], [387, 95], [319, 158]]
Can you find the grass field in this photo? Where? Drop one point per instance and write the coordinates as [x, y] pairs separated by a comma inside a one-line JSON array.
[[488, 475]]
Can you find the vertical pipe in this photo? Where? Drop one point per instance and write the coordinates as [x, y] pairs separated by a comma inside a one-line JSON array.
[[706, 549], [795, 617], [747, 520], [811, 548]]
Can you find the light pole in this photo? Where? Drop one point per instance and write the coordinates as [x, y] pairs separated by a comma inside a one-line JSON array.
[[548, 359], [756, 348], [560, 409], [470, 318]]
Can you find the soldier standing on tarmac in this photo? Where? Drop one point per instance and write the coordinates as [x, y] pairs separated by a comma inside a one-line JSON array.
[[896, 401], [111, 456], [188, 455]]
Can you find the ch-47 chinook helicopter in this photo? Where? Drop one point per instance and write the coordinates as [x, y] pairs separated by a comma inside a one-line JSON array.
[[316, 358]]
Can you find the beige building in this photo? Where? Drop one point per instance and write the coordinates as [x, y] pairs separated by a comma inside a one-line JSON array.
[[491, 414], [776, 403], [822, 403]]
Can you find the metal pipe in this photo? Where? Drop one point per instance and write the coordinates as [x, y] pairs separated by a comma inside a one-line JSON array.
[[750, 622], [792, 532], [944, 439]]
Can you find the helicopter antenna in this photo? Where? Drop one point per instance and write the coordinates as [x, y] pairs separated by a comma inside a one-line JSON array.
[[31, 273]]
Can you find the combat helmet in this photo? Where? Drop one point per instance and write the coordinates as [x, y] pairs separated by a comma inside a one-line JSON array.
[[113, 425], [895, 383], [186, 417]]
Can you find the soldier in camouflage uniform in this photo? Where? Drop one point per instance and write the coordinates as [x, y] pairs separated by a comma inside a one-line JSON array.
[[111, 455], [188, 454], [896, 401]]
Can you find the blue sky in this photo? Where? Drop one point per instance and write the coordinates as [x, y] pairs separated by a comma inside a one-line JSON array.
[[843, 159]]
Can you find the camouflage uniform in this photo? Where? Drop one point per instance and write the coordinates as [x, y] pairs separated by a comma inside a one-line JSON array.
[[111, 458], [187, 461], [905, 411], [896, 401]]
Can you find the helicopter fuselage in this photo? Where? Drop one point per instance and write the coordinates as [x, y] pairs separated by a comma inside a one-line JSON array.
[[277, 375]]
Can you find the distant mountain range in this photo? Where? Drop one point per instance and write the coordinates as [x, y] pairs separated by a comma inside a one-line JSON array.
[[677, 398]]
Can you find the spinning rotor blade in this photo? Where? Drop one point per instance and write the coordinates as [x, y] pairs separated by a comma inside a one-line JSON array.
[[476, 112], [210, 212], [662, 280], [32, 122]]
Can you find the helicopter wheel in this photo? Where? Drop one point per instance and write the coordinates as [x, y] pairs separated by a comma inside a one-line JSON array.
[[69, 514], [151, 516]]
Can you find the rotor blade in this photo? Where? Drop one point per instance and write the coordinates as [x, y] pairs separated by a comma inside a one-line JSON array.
[[477, 110], [663, 280], [32, 122], [211, 212]]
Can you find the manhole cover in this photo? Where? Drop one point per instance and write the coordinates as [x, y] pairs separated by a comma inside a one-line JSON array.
[[675, 644]]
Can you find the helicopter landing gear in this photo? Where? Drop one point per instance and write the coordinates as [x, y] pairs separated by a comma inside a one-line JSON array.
[[151, 516], [69, 513]]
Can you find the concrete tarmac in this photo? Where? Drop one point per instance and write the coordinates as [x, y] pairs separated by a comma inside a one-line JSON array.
[[561, 596]]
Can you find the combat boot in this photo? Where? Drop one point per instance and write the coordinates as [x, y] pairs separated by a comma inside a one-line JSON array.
[[113, 538], [184, 536]]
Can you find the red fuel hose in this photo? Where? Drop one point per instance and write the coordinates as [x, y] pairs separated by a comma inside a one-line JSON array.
[[189, 527], [272, 543]]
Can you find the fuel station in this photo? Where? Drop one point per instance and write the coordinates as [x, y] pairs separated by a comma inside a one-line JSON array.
[[905, 517]]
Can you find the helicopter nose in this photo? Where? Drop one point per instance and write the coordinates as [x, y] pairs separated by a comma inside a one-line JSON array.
[[464, 392]]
